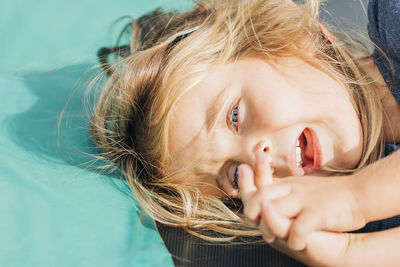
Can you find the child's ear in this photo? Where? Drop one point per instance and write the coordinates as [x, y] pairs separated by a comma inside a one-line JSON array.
[[326, 34]]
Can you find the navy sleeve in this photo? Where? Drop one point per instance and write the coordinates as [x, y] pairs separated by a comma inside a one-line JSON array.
[[384, 31], [380, 225]]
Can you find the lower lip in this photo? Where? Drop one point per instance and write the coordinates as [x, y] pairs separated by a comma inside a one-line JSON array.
[[317, 154]]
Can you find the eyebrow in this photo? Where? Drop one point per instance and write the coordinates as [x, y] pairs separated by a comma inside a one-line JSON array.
[[216, 108]]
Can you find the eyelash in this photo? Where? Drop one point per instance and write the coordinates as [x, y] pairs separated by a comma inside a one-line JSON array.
[[232, 174], [232, 113], [235, 179]]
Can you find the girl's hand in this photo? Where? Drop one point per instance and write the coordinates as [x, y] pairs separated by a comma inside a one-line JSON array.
[[323, 248], [258, 196], [293, 208], [256, 200]]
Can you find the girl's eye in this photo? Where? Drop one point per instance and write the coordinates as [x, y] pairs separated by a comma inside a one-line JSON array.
[[233, 175], [234, 116], [236, 177]]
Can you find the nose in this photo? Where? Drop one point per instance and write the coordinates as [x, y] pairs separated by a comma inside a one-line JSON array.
[[259, 157], [262, 146], [256, 146]]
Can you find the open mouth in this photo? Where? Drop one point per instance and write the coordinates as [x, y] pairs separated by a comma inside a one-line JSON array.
[[308, 151]]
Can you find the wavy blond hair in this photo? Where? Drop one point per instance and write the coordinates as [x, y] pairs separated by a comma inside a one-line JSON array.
[[132, 117]]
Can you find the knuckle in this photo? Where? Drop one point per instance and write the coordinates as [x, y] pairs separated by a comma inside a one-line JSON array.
[[280, 233], [298, 231], [265, 193]]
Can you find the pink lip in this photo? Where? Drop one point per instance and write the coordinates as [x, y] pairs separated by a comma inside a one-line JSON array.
[[317, 158]]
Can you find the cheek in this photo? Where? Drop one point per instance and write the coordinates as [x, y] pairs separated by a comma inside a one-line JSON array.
[[352, 145], [343, 139], [278, 109]]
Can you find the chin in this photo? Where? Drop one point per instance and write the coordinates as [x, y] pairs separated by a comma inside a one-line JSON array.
[[333, 167]]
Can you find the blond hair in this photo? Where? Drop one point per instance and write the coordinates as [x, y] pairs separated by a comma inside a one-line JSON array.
[[133, 114]]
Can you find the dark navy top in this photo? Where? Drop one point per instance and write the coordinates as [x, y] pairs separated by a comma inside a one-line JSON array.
[[384, 31]]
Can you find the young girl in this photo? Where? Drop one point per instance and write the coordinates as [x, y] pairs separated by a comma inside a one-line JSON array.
[[216, 104]]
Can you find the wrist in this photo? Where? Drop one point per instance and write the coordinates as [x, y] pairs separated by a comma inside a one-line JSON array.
[[354, 252], [331, 249], [358, 211]]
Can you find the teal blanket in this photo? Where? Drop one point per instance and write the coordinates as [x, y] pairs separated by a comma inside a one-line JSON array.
[[55, 208]]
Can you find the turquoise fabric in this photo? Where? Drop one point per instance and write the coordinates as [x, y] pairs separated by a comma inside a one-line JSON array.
[[55, 210]]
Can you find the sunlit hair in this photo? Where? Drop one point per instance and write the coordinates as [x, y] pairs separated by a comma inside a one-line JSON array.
[[131, 122]]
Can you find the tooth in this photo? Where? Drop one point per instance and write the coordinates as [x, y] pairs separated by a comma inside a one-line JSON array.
[[298, 152], [298, 156], [298, 142]]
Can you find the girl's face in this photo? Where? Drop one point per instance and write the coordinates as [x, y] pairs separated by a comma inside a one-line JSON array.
[[254, 106]]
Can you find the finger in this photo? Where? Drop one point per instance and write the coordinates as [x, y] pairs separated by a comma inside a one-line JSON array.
[[262, 170], [288, 205], [276, 191], [252, 200], [252, 208], [266, 234], [301, 230], [269, 239], [248, 194], [246, 182], [275, 224]]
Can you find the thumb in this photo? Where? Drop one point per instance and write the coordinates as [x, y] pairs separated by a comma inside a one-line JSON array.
[[246, 181]]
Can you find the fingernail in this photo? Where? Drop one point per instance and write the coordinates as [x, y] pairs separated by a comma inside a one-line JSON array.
[[269, 240]]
